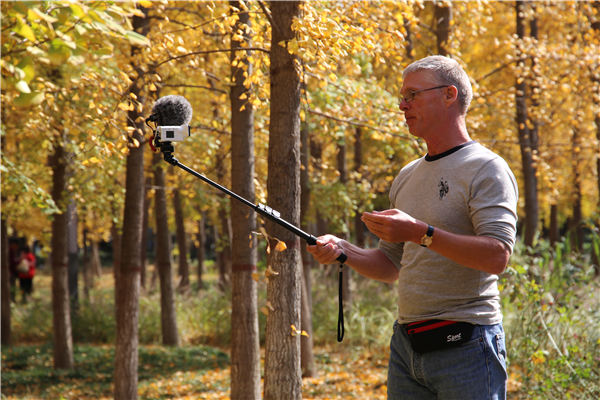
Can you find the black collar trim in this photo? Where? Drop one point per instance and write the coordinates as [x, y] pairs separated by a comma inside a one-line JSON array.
[[447, 153]]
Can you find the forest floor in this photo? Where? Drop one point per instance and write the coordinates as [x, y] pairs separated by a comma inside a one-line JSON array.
[[189, 372]]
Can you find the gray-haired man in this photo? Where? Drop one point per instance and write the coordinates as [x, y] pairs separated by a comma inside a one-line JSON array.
[[448, 234]]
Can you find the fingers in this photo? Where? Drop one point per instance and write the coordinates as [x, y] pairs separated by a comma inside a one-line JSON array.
[[325, 253]]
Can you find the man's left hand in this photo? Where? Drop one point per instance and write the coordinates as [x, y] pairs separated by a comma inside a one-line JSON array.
[[394, 226]]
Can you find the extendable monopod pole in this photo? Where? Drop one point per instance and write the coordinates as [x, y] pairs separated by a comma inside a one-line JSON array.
[[267, 212]]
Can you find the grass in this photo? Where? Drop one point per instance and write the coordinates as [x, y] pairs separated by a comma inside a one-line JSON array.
[[549, 300]]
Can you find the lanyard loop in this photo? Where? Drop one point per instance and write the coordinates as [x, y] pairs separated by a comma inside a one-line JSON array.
[[340, 331]]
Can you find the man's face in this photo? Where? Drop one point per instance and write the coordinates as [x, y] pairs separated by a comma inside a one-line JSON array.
[[424, 113]]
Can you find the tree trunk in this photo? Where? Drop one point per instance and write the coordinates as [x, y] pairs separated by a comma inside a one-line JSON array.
[[554, 229], [168, 319], [184, 268], [201, 248], [359, 226], [409, 46], [73, 255], [128, 284], [529, 169], [316, 152], [307, 359], [96, 265], [115, 233], [347, 271], [62, 337], [6, 331], [576, 225], [283, 376], [595, 77], [245, 346], [443, 16], [144, 249], [85, 272]]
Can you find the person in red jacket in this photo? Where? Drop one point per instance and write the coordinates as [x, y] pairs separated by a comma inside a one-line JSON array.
[[26, 279]]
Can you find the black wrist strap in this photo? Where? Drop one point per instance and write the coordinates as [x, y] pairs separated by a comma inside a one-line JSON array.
[[340, 331]]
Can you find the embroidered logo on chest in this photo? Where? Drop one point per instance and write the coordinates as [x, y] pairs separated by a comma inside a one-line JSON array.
[[444, 188]]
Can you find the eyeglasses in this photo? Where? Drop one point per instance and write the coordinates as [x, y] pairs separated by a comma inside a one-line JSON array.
[[410, 95]]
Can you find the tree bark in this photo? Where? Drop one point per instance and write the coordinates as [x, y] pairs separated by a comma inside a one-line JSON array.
[[347, 271], [554, 230], [596, 80], [443, 16], [359, 226], [201, 248], [283, 376], [62, 337], [144, 250], [245, 346], [184, 268], [170, 336], [73, 255], [307, 359], [529, 169], [85, 272], [115, 233], [128, 284], [6, 330]]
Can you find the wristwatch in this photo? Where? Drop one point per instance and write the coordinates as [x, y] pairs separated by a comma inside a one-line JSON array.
[[427, 239]]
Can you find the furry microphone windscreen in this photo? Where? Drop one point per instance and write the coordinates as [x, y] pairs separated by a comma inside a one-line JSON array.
[[172, 110]]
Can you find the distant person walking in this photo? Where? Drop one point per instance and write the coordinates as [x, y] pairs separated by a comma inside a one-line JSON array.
[[26, 274]]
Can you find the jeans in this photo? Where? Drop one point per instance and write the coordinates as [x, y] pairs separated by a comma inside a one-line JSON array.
[[475, 370]]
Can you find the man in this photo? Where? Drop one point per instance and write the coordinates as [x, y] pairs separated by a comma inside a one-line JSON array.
[[449, 233]]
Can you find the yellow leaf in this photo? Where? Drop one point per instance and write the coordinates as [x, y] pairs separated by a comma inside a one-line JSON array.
[[269, 272], [133, 96], [280, 246], [152, 87], [92, 105], [264, 310], [305, 334], [295, 332], [76, 97], [255, 276], [145, 3], [270, 306], [135, 143], [124, 106]]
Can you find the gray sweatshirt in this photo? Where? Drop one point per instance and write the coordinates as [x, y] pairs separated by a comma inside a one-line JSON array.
[[468, 190]]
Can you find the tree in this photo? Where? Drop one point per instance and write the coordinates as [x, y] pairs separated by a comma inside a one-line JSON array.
[[184, 269], [245, 347], [307, 360], [168, 320], [283, 378], [527, 141], [128, 285], [5, 330]]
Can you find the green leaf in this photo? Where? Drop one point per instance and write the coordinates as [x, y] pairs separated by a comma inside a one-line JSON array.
[[21, 6], [77, 10], [58, 54], [26, 65], [25, 31], [35, 13], [114, 26], [136, 39], [23, 87], [29, 99]]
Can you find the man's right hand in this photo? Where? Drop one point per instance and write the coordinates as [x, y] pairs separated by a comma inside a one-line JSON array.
[[327, 249]]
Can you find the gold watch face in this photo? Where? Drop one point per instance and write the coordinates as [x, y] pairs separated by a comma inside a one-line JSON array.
[[426, 241]]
